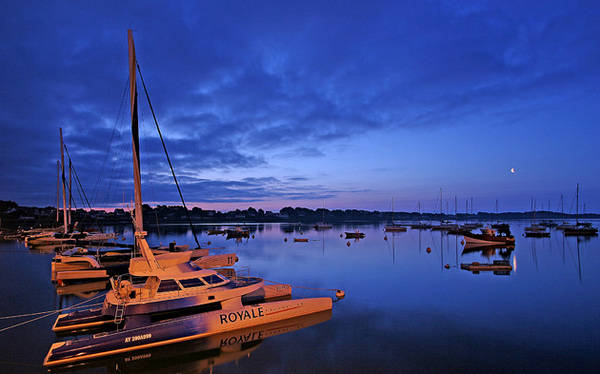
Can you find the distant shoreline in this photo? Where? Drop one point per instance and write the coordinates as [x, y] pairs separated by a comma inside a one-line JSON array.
[[13, 216]]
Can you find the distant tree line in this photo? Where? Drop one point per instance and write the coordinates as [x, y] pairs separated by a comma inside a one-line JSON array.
[[14, 216]]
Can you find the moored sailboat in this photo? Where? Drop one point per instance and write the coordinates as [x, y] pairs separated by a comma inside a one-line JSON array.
[[580, 228], [393, 227]]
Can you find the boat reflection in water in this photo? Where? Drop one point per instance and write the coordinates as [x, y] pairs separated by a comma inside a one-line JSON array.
[[490, 250], [501, 266], [200, 354]]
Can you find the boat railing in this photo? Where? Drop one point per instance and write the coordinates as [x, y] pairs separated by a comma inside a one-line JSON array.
[[241, 272]]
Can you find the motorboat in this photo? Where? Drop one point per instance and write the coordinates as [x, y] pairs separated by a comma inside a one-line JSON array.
[[488, 235]]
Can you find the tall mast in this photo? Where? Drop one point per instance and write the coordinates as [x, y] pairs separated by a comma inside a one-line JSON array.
[[57, 191], [135, 135], [70, 193], [577, 208], [62, 163]]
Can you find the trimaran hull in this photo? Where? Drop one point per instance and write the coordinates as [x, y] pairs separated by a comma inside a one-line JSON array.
[[180, 329]]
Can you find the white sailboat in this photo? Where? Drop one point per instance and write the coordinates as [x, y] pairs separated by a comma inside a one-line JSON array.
[[580, 228], [392, 227], [323, 225], [66, 237]]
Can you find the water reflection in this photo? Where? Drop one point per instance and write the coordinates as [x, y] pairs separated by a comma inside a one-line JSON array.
[[425, 318], [489, 251]]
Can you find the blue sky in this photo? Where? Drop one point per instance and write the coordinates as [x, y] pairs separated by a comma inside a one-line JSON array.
[[343, 103]]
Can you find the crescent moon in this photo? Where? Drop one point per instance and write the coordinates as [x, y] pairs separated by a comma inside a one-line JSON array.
[[512, 170]]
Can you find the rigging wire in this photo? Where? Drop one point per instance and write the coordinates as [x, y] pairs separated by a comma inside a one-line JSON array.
[[168, 158], [45, 314], [117, 149]]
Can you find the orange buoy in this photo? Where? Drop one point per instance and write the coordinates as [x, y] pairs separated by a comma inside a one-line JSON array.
[[385, 237], [447, 266], [285, 240], [428, 249], [341, 235], [208, 243], [462, 242], [348, 244]]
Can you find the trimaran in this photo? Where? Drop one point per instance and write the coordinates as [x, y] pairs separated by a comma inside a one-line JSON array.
[[173, 282]]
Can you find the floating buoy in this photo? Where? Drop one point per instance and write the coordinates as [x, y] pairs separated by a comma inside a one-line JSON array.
[[285, 240], [301, 233], [252, 236], [462, 242], [385, 237], [341, 235], [208, 243], [447, 266], [340, 294], [123, 239], [348, 244], [428, 249]]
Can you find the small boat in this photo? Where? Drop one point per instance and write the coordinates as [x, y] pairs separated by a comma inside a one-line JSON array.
[[445, 226], [237, 232], [488, 236], [355, 235], [216, 232], [301, 240], [420, 226], [392, 227], [322, 225], [74, 237], [580, 228], [395, 228], [501, 267], [536, 231]]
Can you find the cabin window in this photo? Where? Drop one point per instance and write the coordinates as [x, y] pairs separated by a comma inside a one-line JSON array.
[[168, 285], [212, 279], [194, 282]]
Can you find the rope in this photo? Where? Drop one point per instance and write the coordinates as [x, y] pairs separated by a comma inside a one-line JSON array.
[[45, 314]]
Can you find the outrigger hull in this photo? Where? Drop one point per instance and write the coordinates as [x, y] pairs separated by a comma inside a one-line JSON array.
[[180, 329]]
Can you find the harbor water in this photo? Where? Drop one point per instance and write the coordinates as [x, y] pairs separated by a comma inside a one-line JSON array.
[[409, 307]]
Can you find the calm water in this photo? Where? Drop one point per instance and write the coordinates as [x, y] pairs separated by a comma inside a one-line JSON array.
[[403, 311]]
